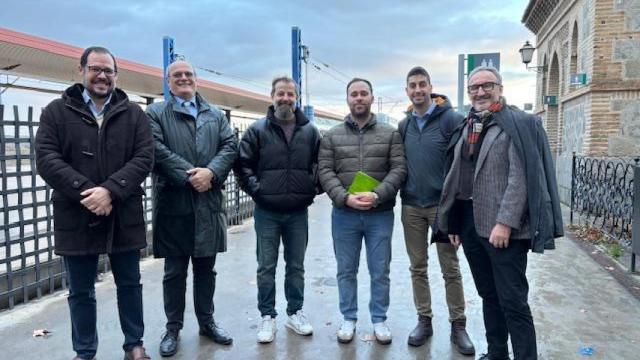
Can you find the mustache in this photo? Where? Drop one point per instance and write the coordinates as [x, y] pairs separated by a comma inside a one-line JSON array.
[[483, 97]]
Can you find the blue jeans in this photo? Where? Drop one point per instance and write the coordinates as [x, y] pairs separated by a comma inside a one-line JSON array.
[[81, 275], [293, 229], [348, 228]]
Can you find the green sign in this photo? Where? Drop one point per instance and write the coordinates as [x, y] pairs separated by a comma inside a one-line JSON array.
[[489, 59], [550, 100]]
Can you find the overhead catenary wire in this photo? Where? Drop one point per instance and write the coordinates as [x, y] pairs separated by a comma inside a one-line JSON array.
[[235, 77]]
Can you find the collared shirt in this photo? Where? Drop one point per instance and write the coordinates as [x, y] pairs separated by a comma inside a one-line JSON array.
[[99, 115], [422, 120], [191, 106]]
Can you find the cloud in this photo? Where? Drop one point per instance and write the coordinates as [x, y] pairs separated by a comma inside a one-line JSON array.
[[251, 40]]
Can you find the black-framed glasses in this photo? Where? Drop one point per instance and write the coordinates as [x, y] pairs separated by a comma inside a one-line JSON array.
[[96, 70], [179, 74], [485, 86]]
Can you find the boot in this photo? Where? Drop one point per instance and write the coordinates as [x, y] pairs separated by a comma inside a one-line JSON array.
[[460, 338], [421, 332]]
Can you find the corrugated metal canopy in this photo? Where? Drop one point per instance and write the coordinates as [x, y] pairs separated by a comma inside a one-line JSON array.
[[31, 56]]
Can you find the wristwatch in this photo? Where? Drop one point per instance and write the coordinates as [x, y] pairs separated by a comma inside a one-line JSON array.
[[376, 199]]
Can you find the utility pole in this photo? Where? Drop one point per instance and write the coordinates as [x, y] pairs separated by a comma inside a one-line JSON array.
[[168, 56], [300, 52], [461, 83], [296, 56]]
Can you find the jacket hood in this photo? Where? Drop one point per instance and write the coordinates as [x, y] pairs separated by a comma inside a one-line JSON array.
[[442, 104]]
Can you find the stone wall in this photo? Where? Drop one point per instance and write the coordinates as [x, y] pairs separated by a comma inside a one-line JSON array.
[[575, 116]]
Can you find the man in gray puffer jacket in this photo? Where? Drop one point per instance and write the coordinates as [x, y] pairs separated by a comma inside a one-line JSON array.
[[362, 144]]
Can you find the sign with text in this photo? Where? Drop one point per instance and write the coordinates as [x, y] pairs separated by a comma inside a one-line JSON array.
[[550, 100], [578, 79], [489, 59]]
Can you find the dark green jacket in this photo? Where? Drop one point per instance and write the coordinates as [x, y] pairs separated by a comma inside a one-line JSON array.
[[183, 144]]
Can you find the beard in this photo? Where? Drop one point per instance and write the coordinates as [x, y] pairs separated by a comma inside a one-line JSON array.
[[284, 110], [97, 95], [361, 114]]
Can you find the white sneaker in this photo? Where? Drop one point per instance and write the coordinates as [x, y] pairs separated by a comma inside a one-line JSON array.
[[266, 329], [382, 333], [299, 323], [346, 331]]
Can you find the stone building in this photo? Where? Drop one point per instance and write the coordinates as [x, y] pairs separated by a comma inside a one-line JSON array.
[[599, 41]]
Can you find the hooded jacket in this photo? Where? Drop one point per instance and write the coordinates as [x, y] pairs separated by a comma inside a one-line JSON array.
[[425, 150]]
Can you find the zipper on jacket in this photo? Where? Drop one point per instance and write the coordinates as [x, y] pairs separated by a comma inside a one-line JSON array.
[[361, 145]]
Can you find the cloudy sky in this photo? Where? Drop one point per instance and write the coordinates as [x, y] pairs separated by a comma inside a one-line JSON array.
[[249, 41]]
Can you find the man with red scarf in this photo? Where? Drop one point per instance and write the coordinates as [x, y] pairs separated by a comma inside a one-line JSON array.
[[500, 200]]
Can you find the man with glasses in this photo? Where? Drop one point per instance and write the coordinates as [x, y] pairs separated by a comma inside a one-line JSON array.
[[426, 131], [500, 200], [94, 148], [194, 151]]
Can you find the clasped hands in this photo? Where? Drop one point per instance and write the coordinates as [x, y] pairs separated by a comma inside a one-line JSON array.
[[362, 200], [97, 200], [201, 178]]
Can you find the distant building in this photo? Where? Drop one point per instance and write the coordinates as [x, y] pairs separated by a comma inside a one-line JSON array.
[[595, 43]]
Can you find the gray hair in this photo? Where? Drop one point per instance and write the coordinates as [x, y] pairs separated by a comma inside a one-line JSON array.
[[490, 69], [179, 60]]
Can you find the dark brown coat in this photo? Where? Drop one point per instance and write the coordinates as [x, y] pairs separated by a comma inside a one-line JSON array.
[[73, 154]]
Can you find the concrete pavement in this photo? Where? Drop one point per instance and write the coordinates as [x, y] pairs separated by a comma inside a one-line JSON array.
[[574, 300]]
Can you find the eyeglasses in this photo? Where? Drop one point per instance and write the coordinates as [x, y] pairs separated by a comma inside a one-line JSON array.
[[179, 74], [486, 87], [96, 70]]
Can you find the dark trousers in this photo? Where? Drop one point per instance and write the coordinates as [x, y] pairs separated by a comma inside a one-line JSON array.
[[500, 278], [174, 285], [293, 229], [81, 276]]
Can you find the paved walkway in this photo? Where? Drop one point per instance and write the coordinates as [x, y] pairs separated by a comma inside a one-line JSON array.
[[574, 300]]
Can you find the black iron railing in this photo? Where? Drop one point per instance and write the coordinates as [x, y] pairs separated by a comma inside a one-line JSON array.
[[28, 266], [602, 193]]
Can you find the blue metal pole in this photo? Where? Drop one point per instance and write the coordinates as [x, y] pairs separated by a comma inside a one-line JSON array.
[[296, 61], [168, 56]]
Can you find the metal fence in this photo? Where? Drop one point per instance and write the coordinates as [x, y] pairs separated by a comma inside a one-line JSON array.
[[28, 266], [602, 193]]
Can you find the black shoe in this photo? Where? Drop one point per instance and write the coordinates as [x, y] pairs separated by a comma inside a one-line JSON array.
[[169, 343], [460, 338], [490, 357], [422, 331], [216, 333]]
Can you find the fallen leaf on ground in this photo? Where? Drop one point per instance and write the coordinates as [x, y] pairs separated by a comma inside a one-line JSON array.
[[41, 332]]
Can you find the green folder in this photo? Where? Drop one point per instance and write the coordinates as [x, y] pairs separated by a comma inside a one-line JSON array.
[[362, 183]]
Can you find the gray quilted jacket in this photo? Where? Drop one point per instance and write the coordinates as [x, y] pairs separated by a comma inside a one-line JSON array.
[[376, 149]]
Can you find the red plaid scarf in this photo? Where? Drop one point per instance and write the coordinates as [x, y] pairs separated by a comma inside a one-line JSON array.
[[476, 122]]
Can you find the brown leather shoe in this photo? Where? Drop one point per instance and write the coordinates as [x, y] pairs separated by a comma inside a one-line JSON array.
[[460, 338], [422, 331], [137, 353]]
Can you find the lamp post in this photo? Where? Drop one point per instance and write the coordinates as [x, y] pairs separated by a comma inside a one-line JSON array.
[[526, 52]]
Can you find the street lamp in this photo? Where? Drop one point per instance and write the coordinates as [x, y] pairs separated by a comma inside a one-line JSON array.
[[526, 51]]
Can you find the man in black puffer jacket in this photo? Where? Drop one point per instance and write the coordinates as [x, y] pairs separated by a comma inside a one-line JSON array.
[[276, 166]]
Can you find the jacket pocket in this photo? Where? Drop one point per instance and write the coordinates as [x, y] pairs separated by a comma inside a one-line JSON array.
[[130, 211], [68, 216]]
